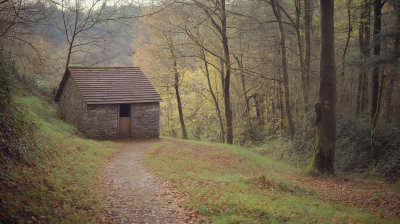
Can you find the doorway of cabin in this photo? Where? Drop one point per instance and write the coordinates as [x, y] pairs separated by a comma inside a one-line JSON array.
[[124, 121]]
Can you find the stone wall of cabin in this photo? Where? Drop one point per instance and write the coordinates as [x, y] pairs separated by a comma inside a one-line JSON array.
[[71, 105], [102, 121], [145, 120]]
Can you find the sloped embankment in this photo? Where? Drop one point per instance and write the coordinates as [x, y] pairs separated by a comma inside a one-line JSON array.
[[58, 178], [232, 185]]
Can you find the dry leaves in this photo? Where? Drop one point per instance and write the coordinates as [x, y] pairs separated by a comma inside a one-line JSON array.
[[134, 195], [373, 196]]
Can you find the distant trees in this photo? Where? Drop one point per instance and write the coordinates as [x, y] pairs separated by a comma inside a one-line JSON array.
[[85, 29], [21, 25], [164, 48], [257, 62]]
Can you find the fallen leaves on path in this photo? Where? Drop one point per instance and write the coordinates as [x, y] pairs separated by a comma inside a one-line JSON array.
[[168, 192]]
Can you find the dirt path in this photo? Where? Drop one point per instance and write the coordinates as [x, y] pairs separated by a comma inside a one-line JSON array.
[[134, 195]]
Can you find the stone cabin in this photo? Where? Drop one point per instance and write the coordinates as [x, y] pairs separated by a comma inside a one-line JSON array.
[[109, 102]]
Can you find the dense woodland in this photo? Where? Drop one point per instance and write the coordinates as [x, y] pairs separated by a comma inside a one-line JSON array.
[[324, 77], [245, 72]]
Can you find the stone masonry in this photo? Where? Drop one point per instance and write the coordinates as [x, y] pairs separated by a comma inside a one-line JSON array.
[[145, 120], [102, 121], [72, 106]]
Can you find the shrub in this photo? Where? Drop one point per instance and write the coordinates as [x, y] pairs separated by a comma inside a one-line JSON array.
[[36, 85], [353, 146]]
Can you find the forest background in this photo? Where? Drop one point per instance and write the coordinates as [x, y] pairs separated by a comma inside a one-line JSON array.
[[242, 72]]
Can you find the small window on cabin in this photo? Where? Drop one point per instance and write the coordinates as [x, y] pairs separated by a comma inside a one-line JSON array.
[[124, 110]]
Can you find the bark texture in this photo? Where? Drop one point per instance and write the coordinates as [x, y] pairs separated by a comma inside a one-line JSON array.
[[324, 151]]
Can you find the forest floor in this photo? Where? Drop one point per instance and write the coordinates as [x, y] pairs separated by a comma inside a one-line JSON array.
[[134, 195], [175, 195]]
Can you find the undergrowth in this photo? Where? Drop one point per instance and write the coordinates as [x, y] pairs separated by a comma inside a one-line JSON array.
[[47, 172], [353, 153], [233, 185]]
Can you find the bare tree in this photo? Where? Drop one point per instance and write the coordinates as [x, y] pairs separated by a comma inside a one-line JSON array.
[[87, 30]]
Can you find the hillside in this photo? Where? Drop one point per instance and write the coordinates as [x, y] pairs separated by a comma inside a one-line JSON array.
[[55, 176]]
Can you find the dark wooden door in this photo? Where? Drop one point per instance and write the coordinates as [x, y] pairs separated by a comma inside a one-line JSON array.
[[124, 121], [124, 127]]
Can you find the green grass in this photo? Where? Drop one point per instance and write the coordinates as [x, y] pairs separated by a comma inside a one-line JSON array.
[[61, 181], [233, 185]]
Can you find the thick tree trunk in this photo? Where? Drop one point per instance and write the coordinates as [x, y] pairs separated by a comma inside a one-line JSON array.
[[178, 99], [324, 151], [284, 69], [377, 52]]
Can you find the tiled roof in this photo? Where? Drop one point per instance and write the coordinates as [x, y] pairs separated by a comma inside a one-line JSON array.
[[111, 85]]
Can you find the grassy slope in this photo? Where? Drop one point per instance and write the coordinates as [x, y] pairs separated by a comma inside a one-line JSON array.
[[233, 185], [62, 183]]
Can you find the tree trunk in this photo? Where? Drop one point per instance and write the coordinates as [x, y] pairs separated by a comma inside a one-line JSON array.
[[359, 99], [366, 51], [281, 110], [324, 151], [222, 72], [304, 86], [377, 52], [348, 39], [178, 99], [375, 150], [284, 69], [307, 42], [228, 111], [221, 123]]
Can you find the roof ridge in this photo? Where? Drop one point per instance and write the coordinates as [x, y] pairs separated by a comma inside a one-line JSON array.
[[102, 67]]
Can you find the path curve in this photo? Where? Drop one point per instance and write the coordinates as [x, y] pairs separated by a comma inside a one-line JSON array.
[[133, 194]]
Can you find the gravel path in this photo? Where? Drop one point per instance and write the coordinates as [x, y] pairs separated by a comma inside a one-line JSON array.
[[134, 195]]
